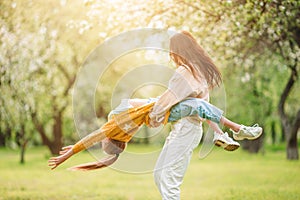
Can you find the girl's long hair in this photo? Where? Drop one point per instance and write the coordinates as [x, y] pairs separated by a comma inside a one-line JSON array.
[[186, 52], [109, 146]]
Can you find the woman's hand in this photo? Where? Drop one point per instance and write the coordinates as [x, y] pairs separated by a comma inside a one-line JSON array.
[[65, 153], [154, 124]]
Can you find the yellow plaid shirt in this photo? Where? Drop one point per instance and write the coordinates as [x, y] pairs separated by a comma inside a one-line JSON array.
[[121, 127]]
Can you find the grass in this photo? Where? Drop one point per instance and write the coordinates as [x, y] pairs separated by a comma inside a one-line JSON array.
[[222, 175]]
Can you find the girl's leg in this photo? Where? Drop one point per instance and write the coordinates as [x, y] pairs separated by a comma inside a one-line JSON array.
[[241, 132], [195, 106], [208, 111], [215, 127], [222, 139], [230, 124]]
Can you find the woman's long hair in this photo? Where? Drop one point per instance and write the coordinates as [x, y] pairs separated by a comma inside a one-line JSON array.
[[185, 51], [109, 146]]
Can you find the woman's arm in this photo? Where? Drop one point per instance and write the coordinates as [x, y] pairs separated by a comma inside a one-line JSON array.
[[181, 86]]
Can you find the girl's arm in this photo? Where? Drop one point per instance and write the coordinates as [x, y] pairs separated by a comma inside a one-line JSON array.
[[138, 102], [87, 141], [69, 151]]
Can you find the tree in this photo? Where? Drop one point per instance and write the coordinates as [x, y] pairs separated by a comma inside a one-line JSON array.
[[38, 70], [272, 28]]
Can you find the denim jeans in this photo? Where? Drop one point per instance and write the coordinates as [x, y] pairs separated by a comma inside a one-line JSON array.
[[195, 106], [187, 107]]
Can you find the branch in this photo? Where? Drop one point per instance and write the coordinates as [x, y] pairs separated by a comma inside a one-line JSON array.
[[199, 8], [149, 18], [63, 70], [71, 81], [40, 129]]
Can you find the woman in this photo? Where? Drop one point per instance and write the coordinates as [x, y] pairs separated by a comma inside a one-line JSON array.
[[195, 75]]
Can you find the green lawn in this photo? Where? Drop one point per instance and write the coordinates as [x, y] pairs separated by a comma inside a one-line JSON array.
[[221, 175]]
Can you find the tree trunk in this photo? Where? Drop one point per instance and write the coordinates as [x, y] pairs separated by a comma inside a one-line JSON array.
[[292, 149], [2, 139], [282, 138], [58, 135], [273, 132], [5, 136], [290, 128], [56, 144], [23, 144], [23, 149], [253, 146], [292, 143]]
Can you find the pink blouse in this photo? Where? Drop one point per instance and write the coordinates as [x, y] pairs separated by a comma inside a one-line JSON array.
[[182, 85]]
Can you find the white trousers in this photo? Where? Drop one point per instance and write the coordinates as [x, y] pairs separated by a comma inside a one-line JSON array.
[[175, 157]]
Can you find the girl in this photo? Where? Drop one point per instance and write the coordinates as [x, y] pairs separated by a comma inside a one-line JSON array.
[[195, 75], [125, 120]]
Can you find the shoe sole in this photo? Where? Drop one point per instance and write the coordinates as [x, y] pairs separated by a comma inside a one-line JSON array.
[[248, 138], [224, 145]]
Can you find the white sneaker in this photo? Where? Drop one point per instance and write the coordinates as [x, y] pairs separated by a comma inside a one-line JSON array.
[[248, 132], [224, 141]]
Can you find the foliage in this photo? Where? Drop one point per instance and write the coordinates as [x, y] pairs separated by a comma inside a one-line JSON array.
[[38, 67], [257, 45]]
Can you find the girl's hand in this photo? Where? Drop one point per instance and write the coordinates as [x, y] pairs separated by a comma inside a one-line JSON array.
[[65, 153], [65, 149]]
